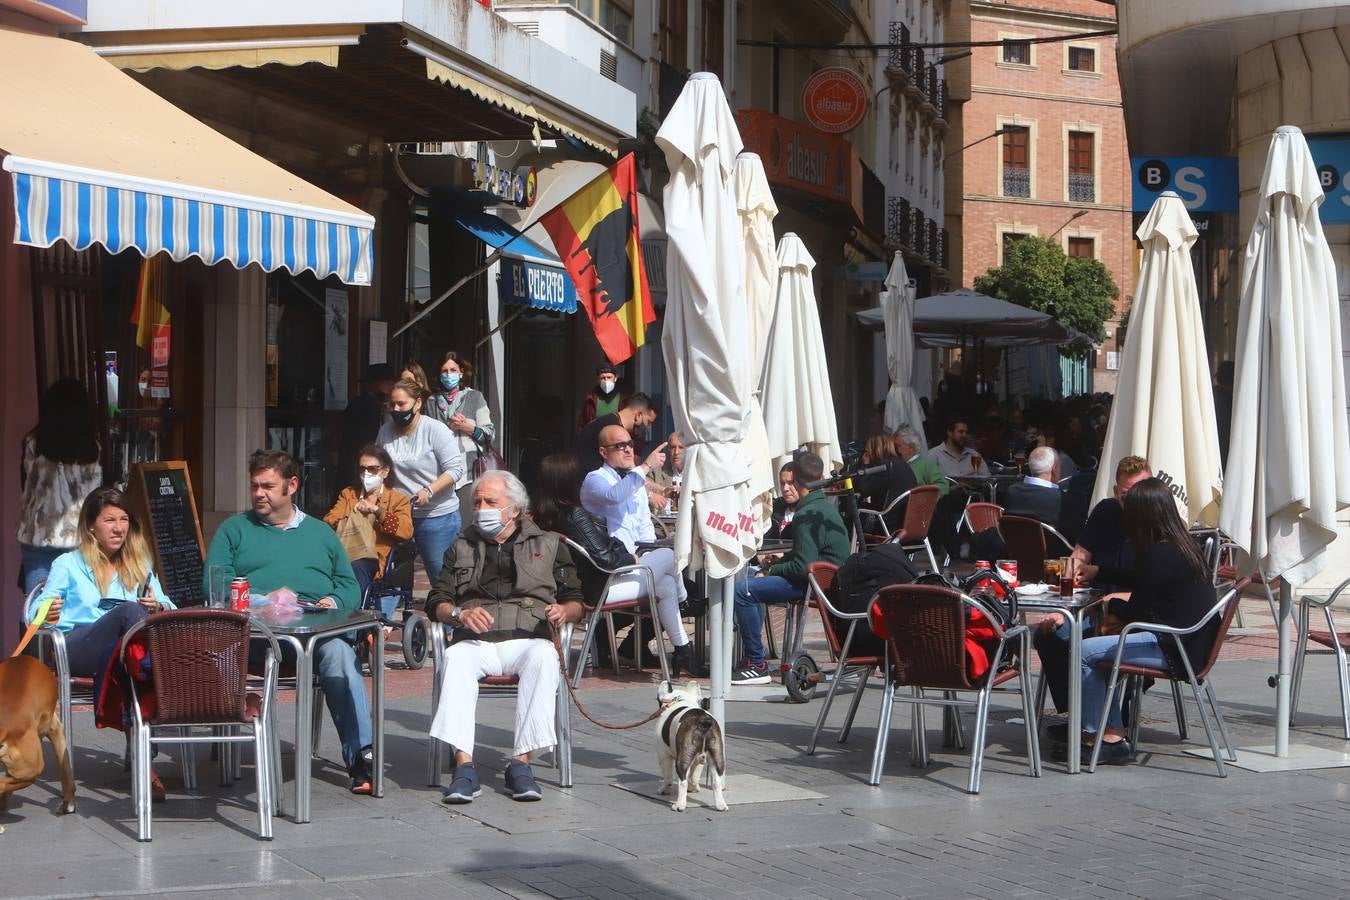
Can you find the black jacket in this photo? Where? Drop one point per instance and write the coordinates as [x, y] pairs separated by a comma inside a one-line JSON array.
[[606, 551], [1034, 501], [1165, 590], [879, 490]]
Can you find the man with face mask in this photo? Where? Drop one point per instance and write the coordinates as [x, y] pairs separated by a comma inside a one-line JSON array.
[[505, 585], [275, 545], [602, 400]]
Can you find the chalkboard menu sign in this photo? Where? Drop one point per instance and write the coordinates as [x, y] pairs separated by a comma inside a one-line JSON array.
[[162, 493]]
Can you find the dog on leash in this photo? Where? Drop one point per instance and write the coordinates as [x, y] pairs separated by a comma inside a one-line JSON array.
[[28, 694], [687, 739]]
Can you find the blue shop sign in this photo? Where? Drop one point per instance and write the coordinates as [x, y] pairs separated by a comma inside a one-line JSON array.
[[537, 286], [1331, 155], [1204, 183]]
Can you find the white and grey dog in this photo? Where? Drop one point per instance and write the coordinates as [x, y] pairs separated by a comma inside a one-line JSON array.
[[687, 739]]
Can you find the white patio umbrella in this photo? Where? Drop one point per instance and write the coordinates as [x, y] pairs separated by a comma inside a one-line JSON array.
[[1289, 453], [706, 353], [1164, 407], [798, 403], [897, 308], [756, 209]]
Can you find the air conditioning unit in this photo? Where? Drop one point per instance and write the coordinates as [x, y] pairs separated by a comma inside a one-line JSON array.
[[609, 65]]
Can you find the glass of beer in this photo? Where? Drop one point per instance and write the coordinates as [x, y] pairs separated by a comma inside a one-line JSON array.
[[976, 462], [1066, 576], [1051, 571]]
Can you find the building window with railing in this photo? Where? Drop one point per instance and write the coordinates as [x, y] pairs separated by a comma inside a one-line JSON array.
[[1082, 59], [1017, 53], [1010, 239], [1082, 167], [1016, 161]]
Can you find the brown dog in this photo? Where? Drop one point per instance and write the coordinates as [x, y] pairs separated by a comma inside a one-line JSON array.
[[28, 694]]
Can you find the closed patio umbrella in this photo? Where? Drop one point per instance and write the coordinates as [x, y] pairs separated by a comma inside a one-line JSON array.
[[756, 209], [706, 352], [1164, 407], [795, 388], [1289, 453], [897, 308]]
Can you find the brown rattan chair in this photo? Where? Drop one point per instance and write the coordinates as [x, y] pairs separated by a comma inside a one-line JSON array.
[[498, 685], [199, 672], [1224, 609], [920, 503], [1024, 541], [1331, 638], [926, 650], [819, 579], [642, 607], [981, 516]]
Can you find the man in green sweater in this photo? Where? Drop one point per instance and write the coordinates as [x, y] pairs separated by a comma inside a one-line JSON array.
[[818, 535], [275, 545]]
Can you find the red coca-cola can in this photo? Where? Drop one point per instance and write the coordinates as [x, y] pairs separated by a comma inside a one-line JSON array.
[[1008, 569], [239, 598], [983, 564]]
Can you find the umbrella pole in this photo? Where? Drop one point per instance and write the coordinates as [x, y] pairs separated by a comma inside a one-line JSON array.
[[717, 650], [1283, 678]]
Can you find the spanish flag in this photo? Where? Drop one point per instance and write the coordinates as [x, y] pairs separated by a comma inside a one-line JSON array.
[[596, 233], [150, 315]]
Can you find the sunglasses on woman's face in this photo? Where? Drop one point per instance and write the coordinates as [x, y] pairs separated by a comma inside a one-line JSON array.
[[369, 470]]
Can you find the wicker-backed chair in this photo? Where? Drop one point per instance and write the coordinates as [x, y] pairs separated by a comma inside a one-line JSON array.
[[819, 579], [1332, 639], [920, 503], [199, 671], [643, 606], [981, 516], [1025, 541], [1224, 609], [926, 650], [503, 686]]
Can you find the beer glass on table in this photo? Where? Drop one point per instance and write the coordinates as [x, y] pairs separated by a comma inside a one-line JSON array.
[[1067, 574]]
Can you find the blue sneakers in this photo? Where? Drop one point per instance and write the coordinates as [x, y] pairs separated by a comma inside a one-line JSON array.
[[520, 782], [465, 785]]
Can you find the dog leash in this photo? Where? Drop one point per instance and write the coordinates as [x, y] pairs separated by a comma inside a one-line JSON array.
[[35, 625], [562, 667]]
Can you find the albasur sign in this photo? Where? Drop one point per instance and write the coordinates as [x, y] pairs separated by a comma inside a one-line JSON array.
[[834, 100]]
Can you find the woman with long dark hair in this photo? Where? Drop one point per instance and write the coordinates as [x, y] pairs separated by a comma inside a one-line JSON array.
[[557, 507], [60, 467], [1168, 585]]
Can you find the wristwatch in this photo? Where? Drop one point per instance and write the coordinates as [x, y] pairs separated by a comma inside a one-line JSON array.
[[453, 619]]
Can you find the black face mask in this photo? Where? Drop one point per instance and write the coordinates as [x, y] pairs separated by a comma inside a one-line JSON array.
[[402, 417]]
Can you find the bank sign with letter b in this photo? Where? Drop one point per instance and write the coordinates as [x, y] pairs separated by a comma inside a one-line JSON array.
[[1331, 155], [1204, 183]]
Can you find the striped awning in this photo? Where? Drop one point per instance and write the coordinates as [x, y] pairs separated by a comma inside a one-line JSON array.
[[97, 158]]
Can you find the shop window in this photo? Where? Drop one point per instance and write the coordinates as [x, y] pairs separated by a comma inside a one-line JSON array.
[[1017, 52], [1082, 170], [1016, 161], [710, 27], [1083, 247], [615, 16]]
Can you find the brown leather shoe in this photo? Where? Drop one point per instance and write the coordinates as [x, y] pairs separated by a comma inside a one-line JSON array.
[[157, 792]]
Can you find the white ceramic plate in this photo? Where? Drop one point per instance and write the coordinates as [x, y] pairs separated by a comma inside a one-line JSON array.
[[1032, 590]]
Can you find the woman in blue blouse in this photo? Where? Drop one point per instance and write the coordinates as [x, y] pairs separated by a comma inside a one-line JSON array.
[[103, 587]]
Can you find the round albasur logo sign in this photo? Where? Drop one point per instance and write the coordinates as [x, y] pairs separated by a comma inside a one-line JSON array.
[[834, 100]]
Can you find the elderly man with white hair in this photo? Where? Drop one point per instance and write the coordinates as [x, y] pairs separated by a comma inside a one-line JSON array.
[[1037, 496], [505, 585]]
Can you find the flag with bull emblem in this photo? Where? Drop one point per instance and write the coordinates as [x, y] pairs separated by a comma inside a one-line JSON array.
[[596, 233]]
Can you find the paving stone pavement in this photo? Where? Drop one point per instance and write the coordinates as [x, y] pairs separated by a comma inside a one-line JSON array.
[[1166, 826]]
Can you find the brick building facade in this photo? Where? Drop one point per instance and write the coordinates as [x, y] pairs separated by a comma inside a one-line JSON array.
[[1060, 169]]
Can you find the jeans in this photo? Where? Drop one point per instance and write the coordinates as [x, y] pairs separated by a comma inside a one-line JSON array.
[[364, 570], [1053, 649], [1141, 648], [434, 536], [750, 593], [35, 562], [90, 647], [344, 690]]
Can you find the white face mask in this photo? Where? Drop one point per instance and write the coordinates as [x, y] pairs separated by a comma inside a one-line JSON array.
[[371, 482], [606, 386], [490, 521]]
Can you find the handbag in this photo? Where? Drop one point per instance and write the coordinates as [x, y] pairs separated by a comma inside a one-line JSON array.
[[356, 533], [487, 460]]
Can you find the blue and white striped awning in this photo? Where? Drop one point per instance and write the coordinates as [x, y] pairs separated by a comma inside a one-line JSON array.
[[86, 208], [97, 158]]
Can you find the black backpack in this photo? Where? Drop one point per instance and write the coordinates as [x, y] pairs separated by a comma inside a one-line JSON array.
[[862, 575], [1003, 607]]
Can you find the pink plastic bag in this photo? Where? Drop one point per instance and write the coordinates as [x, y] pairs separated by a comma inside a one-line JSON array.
[[281, 607]]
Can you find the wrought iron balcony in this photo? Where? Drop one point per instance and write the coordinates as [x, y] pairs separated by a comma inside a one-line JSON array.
[[1016, 182], [1083, 188]]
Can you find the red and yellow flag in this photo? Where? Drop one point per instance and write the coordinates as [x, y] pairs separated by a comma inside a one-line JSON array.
[[150, 315], [596, 233]]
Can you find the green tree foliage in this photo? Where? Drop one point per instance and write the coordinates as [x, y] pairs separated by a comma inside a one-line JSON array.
[[1036, 273]]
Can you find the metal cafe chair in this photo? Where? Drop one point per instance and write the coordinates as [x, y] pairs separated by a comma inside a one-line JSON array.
[[1025, 540], [920, 502], [199, 672], [819, 579], [926, 650], [1196, 678], [499, 686], [1330, 638], [634, 607]]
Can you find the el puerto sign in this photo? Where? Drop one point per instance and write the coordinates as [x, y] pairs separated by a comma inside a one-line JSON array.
[[834, 100]]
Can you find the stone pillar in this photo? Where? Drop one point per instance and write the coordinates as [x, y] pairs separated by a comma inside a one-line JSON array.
[[235, 393]]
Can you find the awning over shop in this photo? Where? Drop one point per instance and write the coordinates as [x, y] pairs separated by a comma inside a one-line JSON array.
[[529, 274], [99, 159], [496, 233]]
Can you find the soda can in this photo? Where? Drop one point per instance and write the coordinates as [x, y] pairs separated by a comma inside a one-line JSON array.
[[983, 564], [1008, 569], [239, 598]]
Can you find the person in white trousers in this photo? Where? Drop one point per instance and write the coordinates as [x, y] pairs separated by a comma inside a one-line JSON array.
[[505, 585]]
